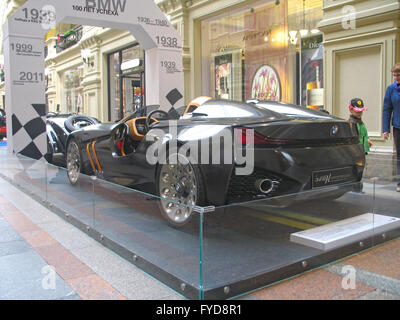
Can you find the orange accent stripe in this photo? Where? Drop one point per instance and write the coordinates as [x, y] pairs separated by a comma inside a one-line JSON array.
[[95, 156], [122, 148], [90, 157]]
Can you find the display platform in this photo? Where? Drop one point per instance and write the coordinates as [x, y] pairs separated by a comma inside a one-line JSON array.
[[220, 254]]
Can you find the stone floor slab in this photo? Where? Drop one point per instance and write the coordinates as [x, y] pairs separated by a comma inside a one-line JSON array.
[[25, 276], [13, 247]]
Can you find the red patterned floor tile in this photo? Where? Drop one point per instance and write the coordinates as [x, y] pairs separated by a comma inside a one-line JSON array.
[[315, 285]]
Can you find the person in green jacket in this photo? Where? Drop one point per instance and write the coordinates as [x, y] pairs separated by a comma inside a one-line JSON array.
[[356, 108]]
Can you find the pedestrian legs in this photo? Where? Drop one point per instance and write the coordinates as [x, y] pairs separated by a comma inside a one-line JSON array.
[[396, 136]]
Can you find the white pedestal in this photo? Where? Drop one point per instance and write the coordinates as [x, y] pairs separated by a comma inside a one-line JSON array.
[[344, 232]]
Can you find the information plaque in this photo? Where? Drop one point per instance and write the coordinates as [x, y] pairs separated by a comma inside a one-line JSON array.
[[344, 232]]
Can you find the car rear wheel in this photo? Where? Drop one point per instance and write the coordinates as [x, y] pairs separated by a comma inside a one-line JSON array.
[[180, 187], [74, 162]]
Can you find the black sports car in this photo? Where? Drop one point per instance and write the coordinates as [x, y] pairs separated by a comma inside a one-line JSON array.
[[58, 128], [219, 152]]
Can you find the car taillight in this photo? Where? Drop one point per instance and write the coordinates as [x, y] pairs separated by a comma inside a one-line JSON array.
[[252, 137]]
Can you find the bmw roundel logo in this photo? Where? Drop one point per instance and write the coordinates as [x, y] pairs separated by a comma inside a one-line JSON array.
[[334, 130]]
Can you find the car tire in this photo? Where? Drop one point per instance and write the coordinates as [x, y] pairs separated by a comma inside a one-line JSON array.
[[74, 161], [49, 155], [180, 188]]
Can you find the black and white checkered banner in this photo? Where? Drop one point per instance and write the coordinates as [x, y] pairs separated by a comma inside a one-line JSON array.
[[29, 131]]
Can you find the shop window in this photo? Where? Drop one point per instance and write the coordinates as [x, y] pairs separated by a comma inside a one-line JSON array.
[[126, 82], [263, 51], [114, 87], [73, 91]]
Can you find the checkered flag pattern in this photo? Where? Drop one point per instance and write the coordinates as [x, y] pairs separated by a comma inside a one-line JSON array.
[[174, 96], [29, 131]]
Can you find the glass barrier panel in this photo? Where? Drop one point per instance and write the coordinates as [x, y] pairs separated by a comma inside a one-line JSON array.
[[159, 235], [10, 165], [252, 244], [225, 251], [71, 200], [381, 178], [380, 166], [7, 160], [386, 203], [26, 173]]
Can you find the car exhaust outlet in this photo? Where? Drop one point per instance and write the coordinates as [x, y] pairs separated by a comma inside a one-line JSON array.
[[266, 186]]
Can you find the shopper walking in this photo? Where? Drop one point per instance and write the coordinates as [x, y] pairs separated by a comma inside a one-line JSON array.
[[391, 110]]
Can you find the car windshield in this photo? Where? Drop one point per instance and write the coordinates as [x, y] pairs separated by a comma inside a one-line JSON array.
[[141, 112], [293, 110], [230, 109]]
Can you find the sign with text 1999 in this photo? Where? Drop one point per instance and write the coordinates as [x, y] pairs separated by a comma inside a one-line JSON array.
[[21, 47]]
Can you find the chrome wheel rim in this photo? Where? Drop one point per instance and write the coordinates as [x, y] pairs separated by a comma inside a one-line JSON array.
[[178, 189], [73, 162]]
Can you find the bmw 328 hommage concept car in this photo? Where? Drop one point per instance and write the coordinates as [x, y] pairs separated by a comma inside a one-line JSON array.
[[266, 149]]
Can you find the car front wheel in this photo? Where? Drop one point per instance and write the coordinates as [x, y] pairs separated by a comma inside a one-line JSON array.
[[180, 187], [74, 162]]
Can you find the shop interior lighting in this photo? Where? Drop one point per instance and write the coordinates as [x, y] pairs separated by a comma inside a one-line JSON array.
[[293, 36], [86, 54], [303, 33], [130, 64]]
